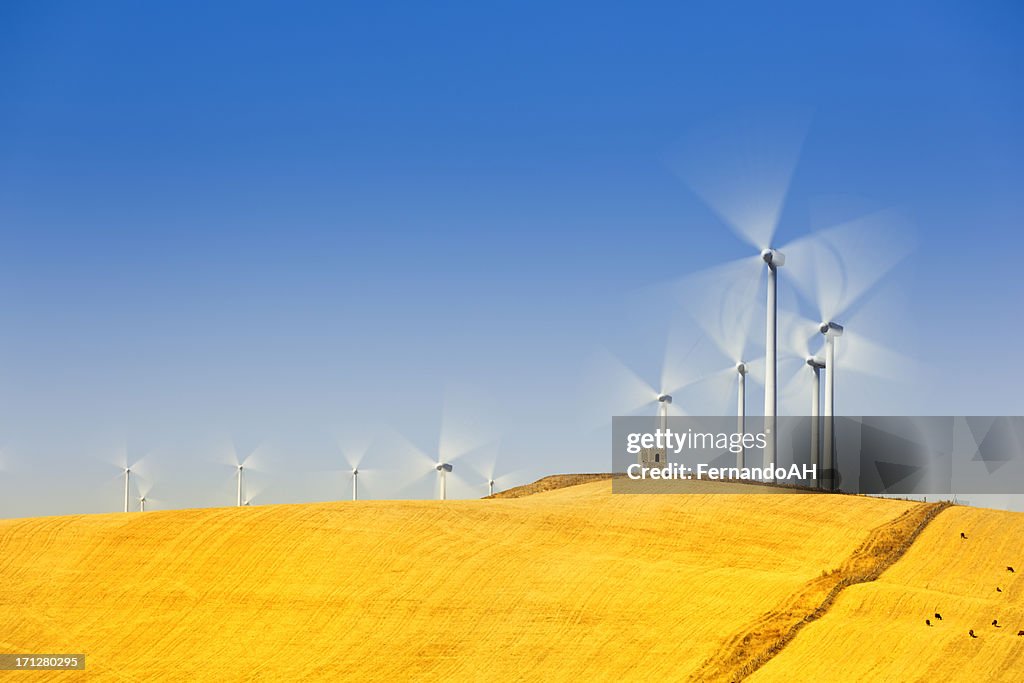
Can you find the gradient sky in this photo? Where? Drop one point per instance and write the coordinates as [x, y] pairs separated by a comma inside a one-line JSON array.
[[289, 226]]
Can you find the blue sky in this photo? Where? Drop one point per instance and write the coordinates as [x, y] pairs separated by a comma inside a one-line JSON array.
[[287, 224]]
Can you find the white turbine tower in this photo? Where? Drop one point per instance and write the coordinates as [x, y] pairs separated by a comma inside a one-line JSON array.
[[741, 408], [127, 486], [816, 364], [142, 503], [664, 401], [241, 469], [775, 260], [443, 469], [355, 483], [831, 331], [490, 487]]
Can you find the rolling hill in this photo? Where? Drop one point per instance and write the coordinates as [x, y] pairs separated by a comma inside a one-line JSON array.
[[564, 582]]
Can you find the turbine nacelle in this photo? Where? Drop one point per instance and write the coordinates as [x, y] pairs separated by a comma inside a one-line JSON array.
[[355, 471], [741, 368], [816, 363], [443, 467], [774, 259], [664, 398], [831, 329]]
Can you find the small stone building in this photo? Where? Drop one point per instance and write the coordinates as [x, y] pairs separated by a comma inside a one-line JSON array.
[[652, 457]]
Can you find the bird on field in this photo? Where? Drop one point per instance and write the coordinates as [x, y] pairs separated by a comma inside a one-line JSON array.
[[998, 589], [971, 633], [1020, 633], [938, 616], [1009, 569], [928, 621], [995, 622], [963, 535]]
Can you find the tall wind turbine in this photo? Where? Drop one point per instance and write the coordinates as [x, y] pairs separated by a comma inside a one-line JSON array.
[[775, 260], [242, 466], [414, 465], [816, 364], [131, 473], [831, 331], [354, 444], [741, 167]]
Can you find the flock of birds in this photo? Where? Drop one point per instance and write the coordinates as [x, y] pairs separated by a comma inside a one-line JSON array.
[[995, 622]]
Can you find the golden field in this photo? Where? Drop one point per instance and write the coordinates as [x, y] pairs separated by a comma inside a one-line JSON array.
[[877, 630], [564, 583]]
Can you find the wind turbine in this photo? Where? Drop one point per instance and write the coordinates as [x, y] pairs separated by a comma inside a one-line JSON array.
[[484, 462], [354, 444], [130, 473], [415, 465], [244, 466], [816, 364], [832, 331], [775, 260], [741, 167], [145, 488]]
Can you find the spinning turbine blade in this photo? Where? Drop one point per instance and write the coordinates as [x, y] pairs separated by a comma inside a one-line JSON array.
[[741, 168], [354, 449], [614, 389], [857, 353], [467, 423], [834, 268], [724, 302], [680, 368]]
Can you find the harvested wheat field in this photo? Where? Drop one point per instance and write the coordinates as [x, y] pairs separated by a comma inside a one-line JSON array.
[[877, 630], [565, 582]]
